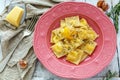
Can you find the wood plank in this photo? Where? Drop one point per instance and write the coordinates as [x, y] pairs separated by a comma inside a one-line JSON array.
[[93, 2], [109, 3], [118, 46], [7, 2], [2, 6]]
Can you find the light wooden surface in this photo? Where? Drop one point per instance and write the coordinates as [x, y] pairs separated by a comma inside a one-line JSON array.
[[114, 66]]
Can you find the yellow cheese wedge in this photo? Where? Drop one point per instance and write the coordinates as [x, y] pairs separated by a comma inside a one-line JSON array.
[[15, 15]]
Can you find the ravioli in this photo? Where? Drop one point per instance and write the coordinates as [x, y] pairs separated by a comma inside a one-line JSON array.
[[76, 56], [73, 21], [56, 36], [58, 49], [89, 47], [74, 39]]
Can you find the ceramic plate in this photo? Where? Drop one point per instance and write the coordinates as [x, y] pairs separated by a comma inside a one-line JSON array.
[[100, 58]]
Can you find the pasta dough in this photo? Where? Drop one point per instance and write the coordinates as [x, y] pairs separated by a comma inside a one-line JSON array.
[[73, 39]]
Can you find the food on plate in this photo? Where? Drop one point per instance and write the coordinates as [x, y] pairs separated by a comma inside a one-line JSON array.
[[23, 64], [74, 39], [89, 47], [76, 56], [15, 15], [58, 49]]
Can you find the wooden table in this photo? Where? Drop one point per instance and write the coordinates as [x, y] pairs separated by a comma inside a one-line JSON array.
[[114, 66]]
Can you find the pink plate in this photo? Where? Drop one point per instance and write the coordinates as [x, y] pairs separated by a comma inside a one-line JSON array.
[[103, 53]]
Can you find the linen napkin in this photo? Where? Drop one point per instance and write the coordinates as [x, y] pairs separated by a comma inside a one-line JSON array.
[[10, 36]]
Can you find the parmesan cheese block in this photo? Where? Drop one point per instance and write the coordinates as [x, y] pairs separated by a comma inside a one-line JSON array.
[[15, 15]]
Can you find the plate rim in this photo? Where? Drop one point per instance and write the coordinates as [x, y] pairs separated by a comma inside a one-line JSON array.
[[73, 76]]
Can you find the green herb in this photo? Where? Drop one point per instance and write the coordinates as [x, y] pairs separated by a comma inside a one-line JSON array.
[[114, 14], [110, 75]]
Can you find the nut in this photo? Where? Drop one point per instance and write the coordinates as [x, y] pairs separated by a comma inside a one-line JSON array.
[[99, 3], [23, 64], [105, 6]]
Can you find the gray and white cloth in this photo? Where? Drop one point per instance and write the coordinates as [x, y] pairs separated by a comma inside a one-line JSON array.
[[10, 36]]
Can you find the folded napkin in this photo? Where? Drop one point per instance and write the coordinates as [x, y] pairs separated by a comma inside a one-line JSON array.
[[10, 36]]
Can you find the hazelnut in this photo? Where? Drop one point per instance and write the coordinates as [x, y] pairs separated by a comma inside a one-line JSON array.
[[23, 64], [105, 6], [99, 3]]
